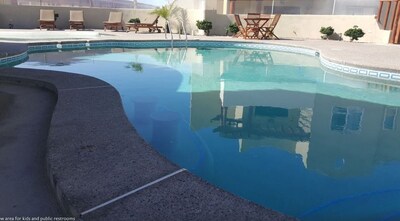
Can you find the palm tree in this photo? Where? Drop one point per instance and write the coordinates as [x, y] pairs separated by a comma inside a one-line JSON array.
[[166, 12]]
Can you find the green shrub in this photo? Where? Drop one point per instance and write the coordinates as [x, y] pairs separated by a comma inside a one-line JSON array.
[[327, 30], [354, 33], [204, 25], [232, 28], [134, 20]]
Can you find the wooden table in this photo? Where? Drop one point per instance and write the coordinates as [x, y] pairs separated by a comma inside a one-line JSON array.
[[259, 25]]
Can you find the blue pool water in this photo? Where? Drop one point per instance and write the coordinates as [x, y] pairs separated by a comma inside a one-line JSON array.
[[269, 126]]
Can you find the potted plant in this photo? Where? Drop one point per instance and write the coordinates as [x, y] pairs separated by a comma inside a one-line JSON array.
[[204, 25], [354, 33], [134, 20], [326, 32], [232, 28]]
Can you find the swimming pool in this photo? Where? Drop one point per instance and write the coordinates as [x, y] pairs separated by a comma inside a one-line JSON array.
[[269, 126]]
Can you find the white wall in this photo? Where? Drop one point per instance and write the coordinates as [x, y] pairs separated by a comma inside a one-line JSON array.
[[308, 26]]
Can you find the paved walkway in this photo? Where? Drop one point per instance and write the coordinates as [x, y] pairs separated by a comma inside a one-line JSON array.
[[25, 114]]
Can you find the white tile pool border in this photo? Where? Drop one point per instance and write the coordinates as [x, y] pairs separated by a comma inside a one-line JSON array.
[[358, 71], [337, 67]]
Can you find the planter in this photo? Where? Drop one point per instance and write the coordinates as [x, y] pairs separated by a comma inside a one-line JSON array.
[[200, 32]]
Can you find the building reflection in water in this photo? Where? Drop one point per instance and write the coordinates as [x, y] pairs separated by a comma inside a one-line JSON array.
[[335, 136]]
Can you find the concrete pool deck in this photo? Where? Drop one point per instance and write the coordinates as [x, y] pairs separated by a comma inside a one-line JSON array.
[[95, 155]]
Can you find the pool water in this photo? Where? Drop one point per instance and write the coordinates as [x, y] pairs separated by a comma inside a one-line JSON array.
[[269, 126]]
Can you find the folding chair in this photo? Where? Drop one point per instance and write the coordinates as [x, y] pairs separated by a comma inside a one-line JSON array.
[[246, 32], [270, 29]]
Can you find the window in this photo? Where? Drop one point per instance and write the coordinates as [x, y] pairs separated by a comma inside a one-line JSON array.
[[346, 119], [390, 118], [271, 112]]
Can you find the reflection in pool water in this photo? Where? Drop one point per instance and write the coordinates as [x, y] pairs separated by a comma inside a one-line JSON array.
[[269, 126]]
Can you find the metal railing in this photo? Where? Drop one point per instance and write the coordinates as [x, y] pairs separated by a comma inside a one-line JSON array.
[[389, 17], [179, 32], [301, 7], [184, 32]]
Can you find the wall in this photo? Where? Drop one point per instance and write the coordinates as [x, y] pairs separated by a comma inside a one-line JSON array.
[[361, 151], [290, 26], [26, 17], [308, 26]]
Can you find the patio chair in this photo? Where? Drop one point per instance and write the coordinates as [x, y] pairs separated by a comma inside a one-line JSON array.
[[252, 24], [76, 20], [47, 19], [270, 29], [114, 21], [153, 27], [245, 32], [253, 15]]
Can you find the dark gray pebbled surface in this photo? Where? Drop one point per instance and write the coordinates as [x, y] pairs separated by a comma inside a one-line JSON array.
[[93, 148], [184, 197], [94, 155], [25, 115]]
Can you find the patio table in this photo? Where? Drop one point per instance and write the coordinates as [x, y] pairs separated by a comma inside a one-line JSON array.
[[259, 25]]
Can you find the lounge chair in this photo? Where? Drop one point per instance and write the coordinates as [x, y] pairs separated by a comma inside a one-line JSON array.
[[76, 20], [153, 27], [47, 19], [114, 21], [269, 31], [245, 32]]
